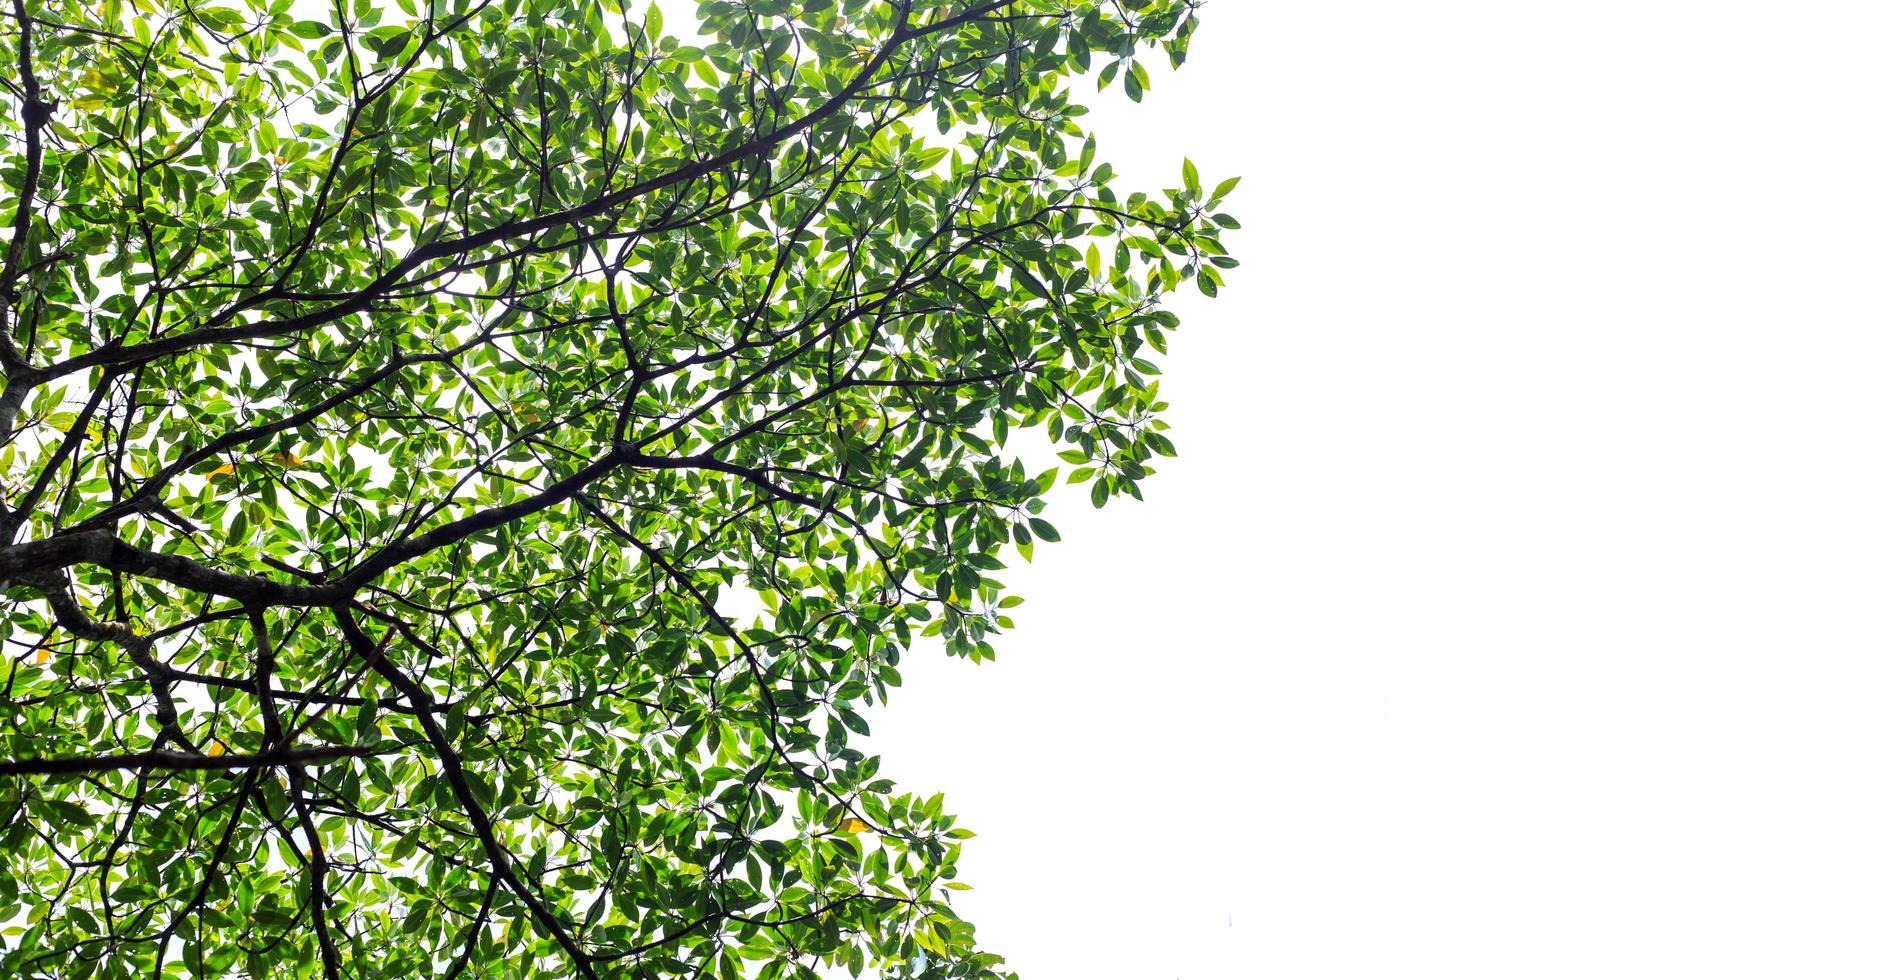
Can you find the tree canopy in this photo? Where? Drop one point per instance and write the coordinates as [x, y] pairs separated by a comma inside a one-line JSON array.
[[469, 463]]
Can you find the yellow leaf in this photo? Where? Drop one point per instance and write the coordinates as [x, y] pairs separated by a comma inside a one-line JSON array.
[[853, 825], [40, 655], [217, 748], [287, 460], [225, 470]]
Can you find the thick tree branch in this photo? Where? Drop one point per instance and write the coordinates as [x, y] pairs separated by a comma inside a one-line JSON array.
[[458, 780], [105, 550], [185, 762], [449, 248]]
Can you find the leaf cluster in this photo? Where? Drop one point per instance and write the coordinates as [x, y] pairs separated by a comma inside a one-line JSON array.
[[469, 464]]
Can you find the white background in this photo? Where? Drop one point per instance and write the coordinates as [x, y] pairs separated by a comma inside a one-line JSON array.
[[1525, 601]]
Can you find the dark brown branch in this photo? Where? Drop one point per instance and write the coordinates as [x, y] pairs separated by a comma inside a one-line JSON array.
[[450, 248], [103, 549], [458, 780], [34, 114], [181, 761]]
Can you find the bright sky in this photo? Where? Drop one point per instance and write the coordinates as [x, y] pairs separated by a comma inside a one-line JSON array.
[[1524, 602]]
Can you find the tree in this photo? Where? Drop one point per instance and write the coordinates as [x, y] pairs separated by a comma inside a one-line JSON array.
[[468, 462]]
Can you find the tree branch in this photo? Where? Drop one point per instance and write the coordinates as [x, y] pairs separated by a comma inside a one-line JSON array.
[[184, 762]]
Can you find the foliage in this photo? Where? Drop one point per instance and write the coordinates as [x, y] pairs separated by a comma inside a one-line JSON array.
[[469, 462]]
